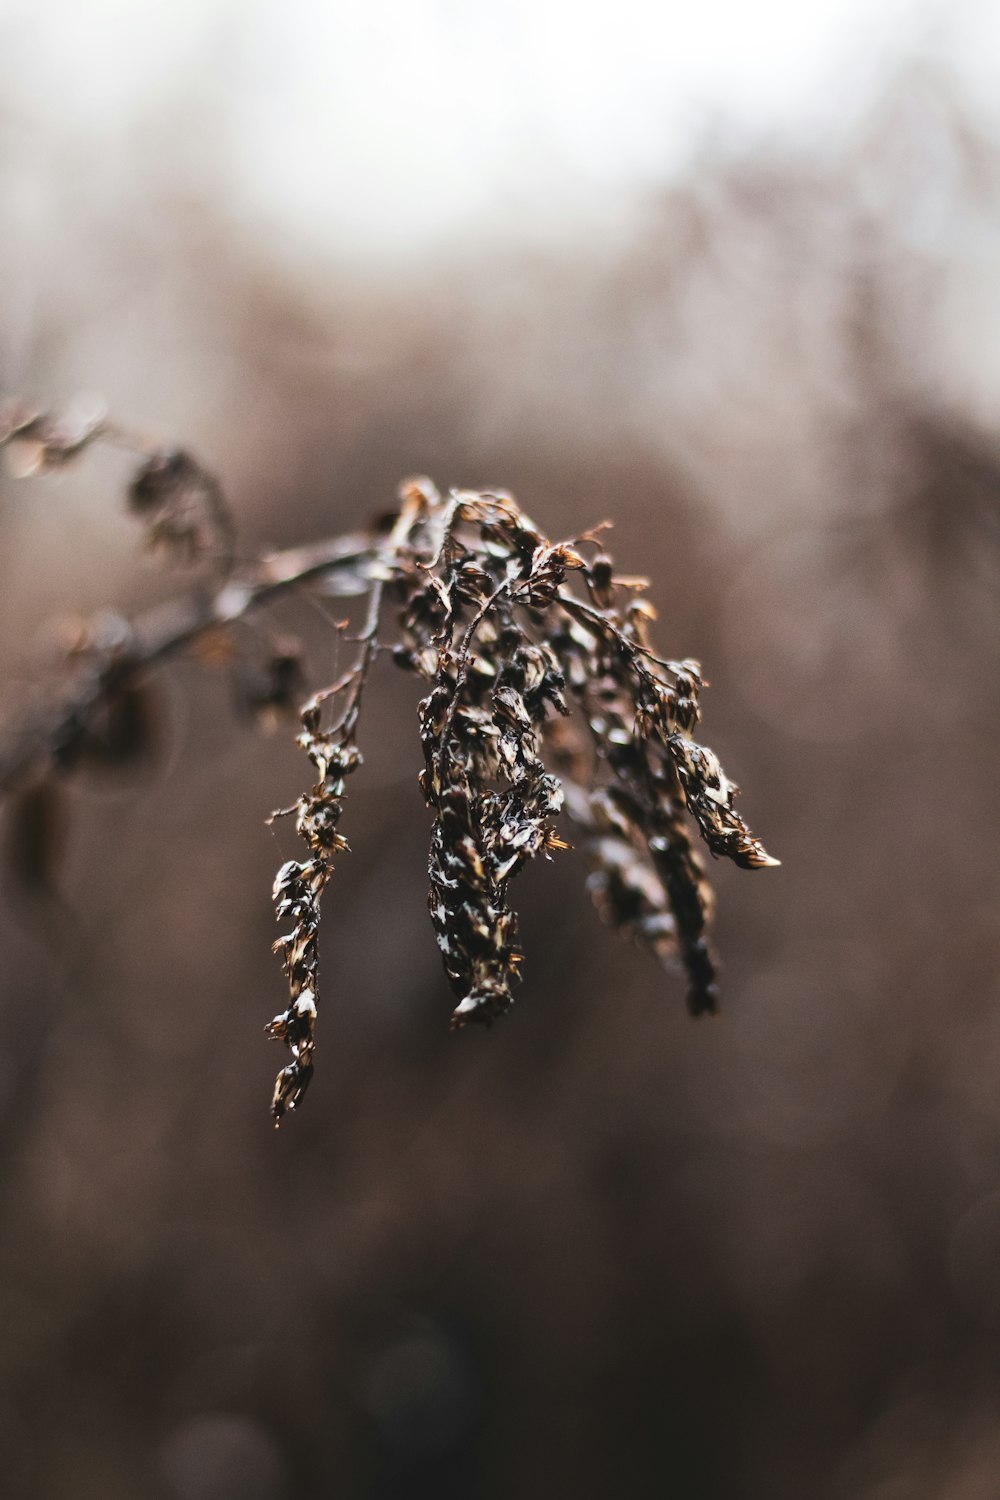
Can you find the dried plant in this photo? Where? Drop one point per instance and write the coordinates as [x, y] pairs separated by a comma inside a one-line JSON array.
[[544, 698]]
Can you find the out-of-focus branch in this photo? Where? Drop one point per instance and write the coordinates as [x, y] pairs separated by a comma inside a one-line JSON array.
[[165, 632]]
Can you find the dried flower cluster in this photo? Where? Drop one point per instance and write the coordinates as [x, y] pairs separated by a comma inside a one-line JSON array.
[[297, 891], [510, 630], [544, 697]]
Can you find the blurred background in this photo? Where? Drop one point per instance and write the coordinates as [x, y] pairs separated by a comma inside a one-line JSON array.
[[729, 276]]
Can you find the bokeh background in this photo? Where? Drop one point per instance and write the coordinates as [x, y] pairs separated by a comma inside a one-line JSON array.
[[731, 279]]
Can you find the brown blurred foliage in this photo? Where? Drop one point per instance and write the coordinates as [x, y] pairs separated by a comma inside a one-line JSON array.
[[601, 1250]]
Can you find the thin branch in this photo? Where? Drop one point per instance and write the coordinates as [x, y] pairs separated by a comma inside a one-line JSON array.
[[165, 632]]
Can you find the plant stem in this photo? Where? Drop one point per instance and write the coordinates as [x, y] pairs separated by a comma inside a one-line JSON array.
[[165, 632]]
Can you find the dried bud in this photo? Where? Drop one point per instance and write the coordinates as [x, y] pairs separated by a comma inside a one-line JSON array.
[[270, 690], [183, 507]]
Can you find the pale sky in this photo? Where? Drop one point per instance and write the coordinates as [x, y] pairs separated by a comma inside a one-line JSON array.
[[379, 127]]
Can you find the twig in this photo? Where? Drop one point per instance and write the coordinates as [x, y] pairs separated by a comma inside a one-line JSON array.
[[165, 632]]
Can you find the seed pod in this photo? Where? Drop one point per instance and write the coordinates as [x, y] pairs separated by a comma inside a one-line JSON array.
[[182, 506], [125, 729], [270, 690]]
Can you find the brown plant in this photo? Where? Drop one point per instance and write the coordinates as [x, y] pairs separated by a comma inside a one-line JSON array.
[[544, 696]]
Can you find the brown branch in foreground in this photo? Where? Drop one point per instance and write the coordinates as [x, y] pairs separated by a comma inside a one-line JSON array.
[[161, 634], [515, 636]]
